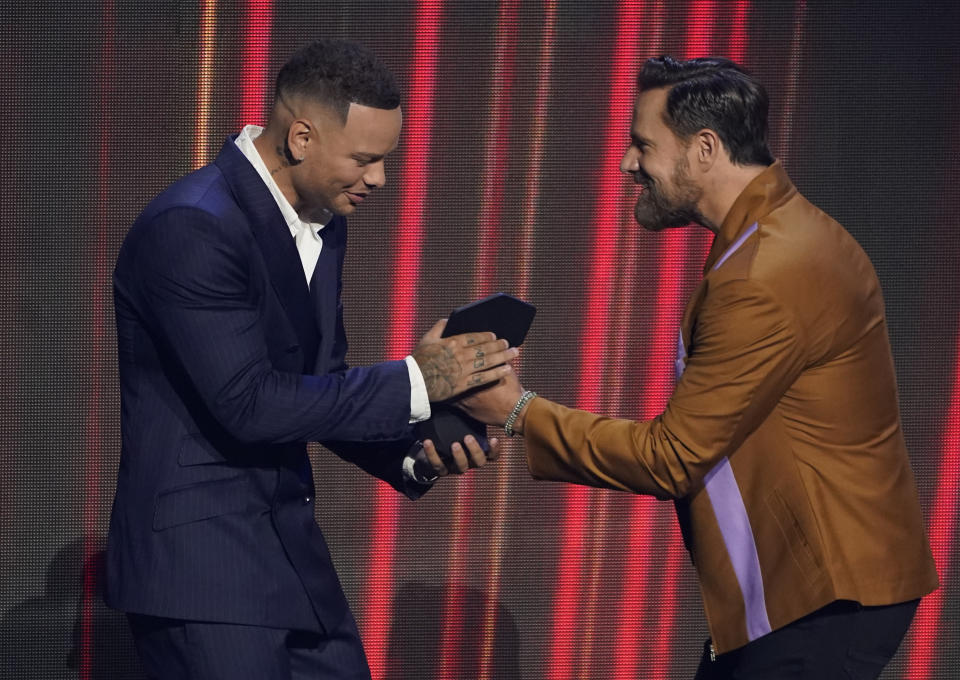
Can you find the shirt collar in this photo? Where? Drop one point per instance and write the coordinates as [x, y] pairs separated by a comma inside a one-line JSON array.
[[765, 192], [244, 142]]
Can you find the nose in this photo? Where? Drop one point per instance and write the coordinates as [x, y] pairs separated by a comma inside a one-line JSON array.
[[376, 175], [630, 163]]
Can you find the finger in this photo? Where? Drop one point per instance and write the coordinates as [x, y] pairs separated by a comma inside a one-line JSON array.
[[434, 458], [479, 359], [477, 456], [436, 332], [460, 464], [483, 377], [471, 339], [494, 451]]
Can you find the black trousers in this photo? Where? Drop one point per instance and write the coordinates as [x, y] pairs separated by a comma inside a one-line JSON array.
[[842, 641], [171, 649]]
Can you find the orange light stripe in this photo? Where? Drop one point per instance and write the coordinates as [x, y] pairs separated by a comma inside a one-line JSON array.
[[495, 170], [526, 240], [785, 129], [201, 131]]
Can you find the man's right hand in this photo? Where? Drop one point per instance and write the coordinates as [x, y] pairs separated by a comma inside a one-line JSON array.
[[461, 362]]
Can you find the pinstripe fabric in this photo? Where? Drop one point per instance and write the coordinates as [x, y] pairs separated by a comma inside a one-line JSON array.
[[171, 649], [228, 365]]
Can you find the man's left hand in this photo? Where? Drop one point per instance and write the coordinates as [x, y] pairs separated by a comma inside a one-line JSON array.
[[462, 459]]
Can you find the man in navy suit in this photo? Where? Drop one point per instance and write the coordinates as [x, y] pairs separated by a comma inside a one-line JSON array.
[[231, 349]]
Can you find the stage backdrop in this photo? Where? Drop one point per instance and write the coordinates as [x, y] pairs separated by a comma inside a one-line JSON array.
[[506, 178]]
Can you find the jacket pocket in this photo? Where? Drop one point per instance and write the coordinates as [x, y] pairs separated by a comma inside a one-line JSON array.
[[803, 552], [201, 501]]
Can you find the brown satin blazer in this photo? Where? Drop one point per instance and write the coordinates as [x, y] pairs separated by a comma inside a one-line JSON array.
[[781, 442]]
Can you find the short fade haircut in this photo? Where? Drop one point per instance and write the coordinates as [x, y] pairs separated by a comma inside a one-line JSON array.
[[713, 93], [338, 73]]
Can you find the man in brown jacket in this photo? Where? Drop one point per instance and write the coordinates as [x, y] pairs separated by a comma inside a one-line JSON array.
[[781, 443]]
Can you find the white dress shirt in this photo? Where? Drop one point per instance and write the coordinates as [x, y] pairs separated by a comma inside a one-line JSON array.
[[309, 244]]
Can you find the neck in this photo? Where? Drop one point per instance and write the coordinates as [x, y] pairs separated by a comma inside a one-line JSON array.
[[271, 148], [721, 193]]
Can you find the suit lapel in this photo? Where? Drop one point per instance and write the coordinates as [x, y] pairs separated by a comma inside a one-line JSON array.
[[323, 290], [273, 237], [686, 325]]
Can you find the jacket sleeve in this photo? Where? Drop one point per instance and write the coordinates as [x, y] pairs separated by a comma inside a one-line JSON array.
[[383, 460], [747, 350], [190, 278]]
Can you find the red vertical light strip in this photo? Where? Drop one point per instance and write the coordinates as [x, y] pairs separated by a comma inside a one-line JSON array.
[[699, 38], [942, 529], [702, 25], [208, 31], [411, 219], [495, 170], [576, 518], [700, 33], [594, 657], [677, 250], [255, 83], [638, 569], [93, 446], [942, 520], [522, 267], [737, 40]]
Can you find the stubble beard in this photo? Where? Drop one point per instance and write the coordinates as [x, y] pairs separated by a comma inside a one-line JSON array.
[[656, 211]]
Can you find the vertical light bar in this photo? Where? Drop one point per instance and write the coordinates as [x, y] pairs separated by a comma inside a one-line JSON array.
[[494, 173], [497, 146], [793, 78], [523, 263], [411, 223], [942, 528], [655, 382], [93, 446], [567, 624], [676, 250], [737, 40], [701, 29], [208, 32], [594, 659], [255, 83]]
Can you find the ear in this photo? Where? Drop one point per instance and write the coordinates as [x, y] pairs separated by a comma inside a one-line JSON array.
[[299, 136], [707, 148]]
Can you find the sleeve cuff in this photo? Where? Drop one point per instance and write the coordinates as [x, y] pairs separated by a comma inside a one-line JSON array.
[[410, 471], [419, 402]]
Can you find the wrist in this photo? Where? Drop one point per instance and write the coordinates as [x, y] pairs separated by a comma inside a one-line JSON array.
[[521, 419], [515, 421]]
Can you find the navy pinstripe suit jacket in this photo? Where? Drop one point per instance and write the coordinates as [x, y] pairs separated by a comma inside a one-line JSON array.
[[229, 363]]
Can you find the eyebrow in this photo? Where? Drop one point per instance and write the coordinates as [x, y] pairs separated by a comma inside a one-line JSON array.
[[363, 156]]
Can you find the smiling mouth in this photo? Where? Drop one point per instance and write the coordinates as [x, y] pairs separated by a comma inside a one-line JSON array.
[[356, 198]]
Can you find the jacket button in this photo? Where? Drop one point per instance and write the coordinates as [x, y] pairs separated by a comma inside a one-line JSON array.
[[307, 499]]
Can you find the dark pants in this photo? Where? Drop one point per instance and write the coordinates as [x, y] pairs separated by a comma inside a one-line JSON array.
[[196, 650], [843, 641]]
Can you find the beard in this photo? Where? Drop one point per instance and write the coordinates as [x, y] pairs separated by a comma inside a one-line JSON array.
[[656, 210]]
